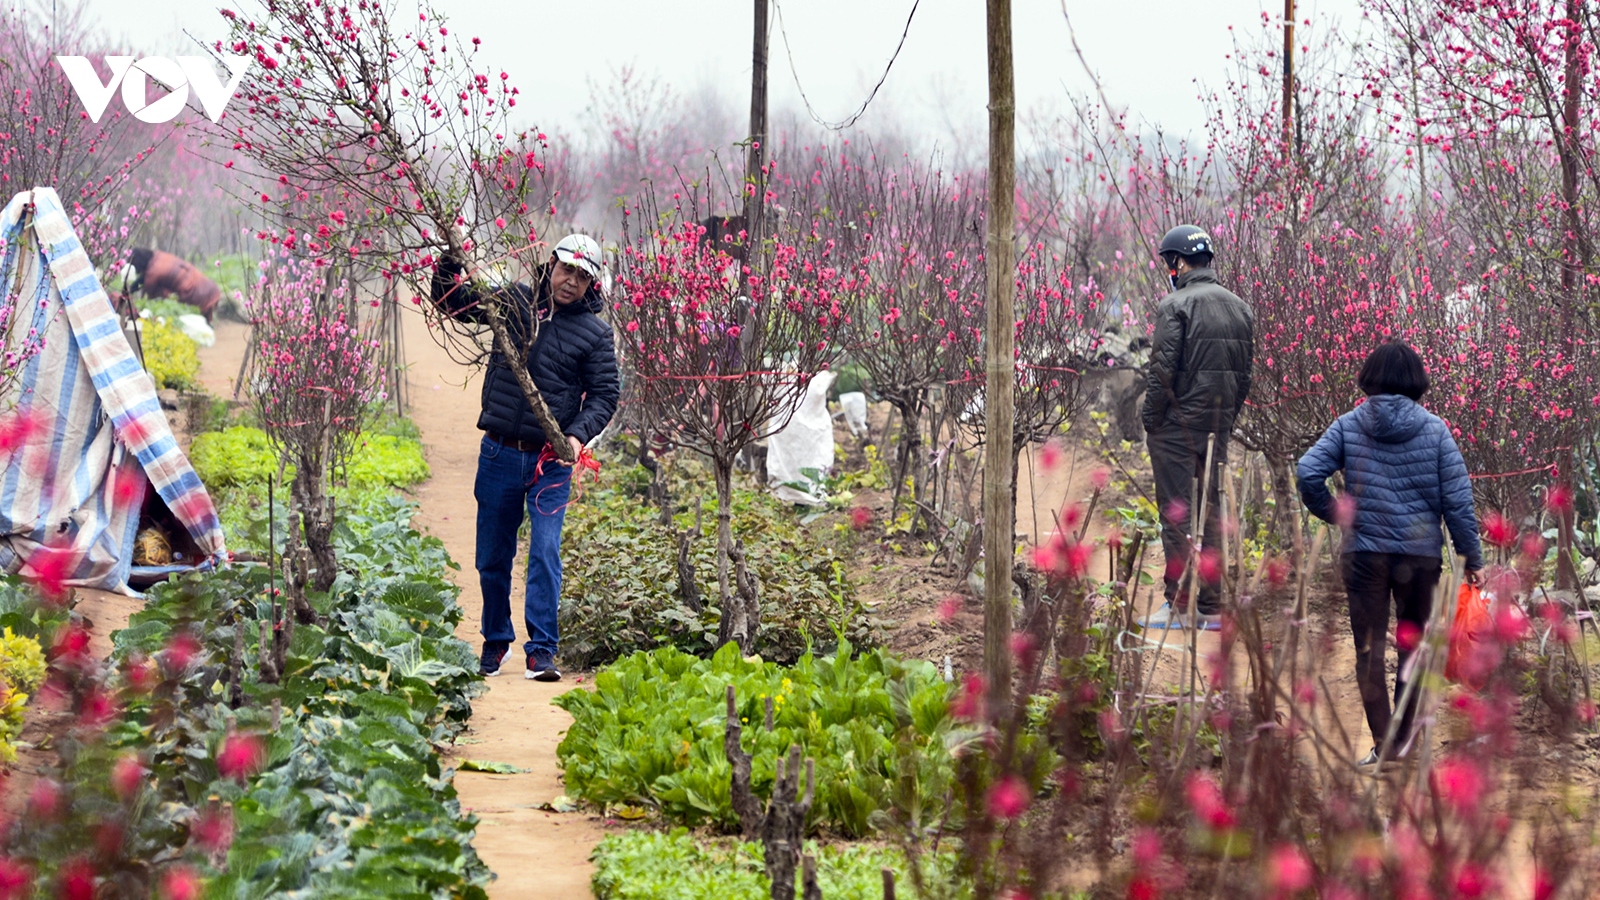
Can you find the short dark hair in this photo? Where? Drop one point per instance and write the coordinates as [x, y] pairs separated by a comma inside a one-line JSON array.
[[1394, 368]]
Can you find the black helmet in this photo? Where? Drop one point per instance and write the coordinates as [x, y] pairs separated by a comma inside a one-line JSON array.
[[1186, 240]]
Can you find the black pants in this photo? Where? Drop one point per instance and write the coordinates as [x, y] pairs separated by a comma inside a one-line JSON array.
[[1370, 578], [1177, 456]]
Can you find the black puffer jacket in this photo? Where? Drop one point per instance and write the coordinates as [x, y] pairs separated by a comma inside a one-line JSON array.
[[1200, 357], [573, 361]]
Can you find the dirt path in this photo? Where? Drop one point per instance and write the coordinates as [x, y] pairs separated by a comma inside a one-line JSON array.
[[531, 851]]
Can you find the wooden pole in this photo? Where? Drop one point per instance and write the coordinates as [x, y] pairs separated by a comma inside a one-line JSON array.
[[1288, 74], [755, 154], [999, 363]]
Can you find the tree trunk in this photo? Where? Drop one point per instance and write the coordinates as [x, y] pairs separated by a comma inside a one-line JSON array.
[[735, 624], [316, 516], [1284, 515], [688, 592], [999, 361], [910, 457]]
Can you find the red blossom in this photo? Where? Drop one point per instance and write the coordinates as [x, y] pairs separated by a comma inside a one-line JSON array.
[[1407, 635], [16, 879], [45, 800], [968, 705], [49, 567], [181, 651], [1051, 456], [241, 756], [127, 775], [75, 880], [1559, 499], [180, 883], [1498, 530], [1205, 801], [860, 518], [1009, 797], [71, 647], [213, 831], [1459, 783], [1289, 869]]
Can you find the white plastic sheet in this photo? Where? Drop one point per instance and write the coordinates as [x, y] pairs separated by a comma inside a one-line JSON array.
[[197, 329], [799, 456], [854, 405]]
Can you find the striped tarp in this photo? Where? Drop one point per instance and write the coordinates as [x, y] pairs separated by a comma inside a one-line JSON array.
[[96, 431]]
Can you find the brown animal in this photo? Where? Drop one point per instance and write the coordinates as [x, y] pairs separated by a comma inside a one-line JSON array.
[[162, 274]]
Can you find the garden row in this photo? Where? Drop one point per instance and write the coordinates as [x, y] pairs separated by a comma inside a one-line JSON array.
[[306, 766]]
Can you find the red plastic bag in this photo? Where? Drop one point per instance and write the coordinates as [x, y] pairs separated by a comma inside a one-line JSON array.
[[1470, 659]]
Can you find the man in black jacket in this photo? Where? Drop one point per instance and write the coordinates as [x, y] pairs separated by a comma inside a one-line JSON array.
[[1199, 376], [573, 361]]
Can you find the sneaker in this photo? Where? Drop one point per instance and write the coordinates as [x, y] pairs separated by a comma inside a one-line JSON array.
[[542, 667], [1167, 617], [494, 653], [1371, 759]]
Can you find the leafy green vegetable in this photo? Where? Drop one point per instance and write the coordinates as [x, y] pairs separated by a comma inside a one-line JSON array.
[[651, 732], [240, 455], [497, 768], [384, 460], [640, 865], [353, 799]]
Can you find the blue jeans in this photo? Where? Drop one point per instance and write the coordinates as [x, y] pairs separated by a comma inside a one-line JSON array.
[[508, 484]]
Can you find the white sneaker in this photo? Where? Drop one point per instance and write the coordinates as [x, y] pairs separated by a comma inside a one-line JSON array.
[[1167, 617]]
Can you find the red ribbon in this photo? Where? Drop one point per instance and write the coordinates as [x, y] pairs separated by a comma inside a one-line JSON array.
[[585, 462]]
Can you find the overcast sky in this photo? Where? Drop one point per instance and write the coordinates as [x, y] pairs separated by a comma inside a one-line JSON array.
[[1152, 56]]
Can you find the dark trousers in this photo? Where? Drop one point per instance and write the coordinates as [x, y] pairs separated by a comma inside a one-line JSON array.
[[1178, 456], [1370, 579], [509, 486]]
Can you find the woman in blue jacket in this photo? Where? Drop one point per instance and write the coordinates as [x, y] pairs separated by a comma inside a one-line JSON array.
[[1403, 474]]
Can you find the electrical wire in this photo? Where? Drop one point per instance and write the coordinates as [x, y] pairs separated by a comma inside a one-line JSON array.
[[840, 126]]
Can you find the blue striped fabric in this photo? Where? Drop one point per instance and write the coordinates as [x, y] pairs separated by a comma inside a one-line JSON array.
[[99, 433]]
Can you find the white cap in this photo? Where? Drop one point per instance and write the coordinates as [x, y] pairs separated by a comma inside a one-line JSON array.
[[581, 250]]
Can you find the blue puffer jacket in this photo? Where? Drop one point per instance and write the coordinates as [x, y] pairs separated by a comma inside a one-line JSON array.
[[1404, 472]]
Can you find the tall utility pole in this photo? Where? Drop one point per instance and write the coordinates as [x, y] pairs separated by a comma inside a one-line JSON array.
[[1000, 365], [755, 155]]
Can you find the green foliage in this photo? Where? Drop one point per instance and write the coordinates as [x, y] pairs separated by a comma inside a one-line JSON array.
[[232, 272], [245, 456], [23, 614], [165, 309], [380, 460], [352, 800], [651, 732], [22, 665], [620, 572], [644, 865], [22, 670], [875, 477], [240, 455], [236, 463], [169, 355]]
